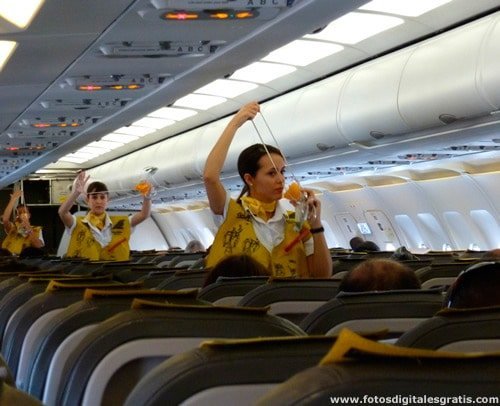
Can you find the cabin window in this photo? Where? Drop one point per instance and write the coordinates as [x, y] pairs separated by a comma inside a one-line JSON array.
[[463, 232], [488, 226], [432, 231], [410, 231]]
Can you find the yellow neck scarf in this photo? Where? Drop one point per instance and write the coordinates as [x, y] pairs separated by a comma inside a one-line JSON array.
[[97, 221], [258, 208]]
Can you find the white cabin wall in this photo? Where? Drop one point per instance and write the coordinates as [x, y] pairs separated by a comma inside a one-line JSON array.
[[180, 227], [460, 212], [454, 199], [407, 199]]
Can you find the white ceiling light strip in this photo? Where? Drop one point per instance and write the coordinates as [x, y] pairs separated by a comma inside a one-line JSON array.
[[134, 130], [19, 12], [404, 7], [200, 101], [302, 52], [119, 138], [6, 50], [227, 88], [356, 27], [172, 113], [262, 72], [153, 122]]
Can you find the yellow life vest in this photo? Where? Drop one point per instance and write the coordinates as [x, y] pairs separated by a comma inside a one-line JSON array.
[[236, 235], [16, 241], [82, 243]]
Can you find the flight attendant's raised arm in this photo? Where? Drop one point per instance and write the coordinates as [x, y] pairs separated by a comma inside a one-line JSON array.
[[215, 160]]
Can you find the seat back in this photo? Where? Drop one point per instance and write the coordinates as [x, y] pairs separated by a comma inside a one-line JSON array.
[[457, 330], [97, 306], [292, 299], [184, 279], [111, 358], [229, 291], [57, 295], [220, 371], [397, 311], [358, 371]]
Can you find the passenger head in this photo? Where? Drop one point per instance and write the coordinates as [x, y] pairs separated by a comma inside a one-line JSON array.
[[379, 274], [235, 266], [97, 197], [402, 254], [4, 252], [367, 246], [477, 286], [492, 255], [355, 242], [194, 246], [32, 252], [259, 174]]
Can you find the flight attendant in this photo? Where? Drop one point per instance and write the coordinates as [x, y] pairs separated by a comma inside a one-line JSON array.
[[20, 232], [97, 235], [256, 224]]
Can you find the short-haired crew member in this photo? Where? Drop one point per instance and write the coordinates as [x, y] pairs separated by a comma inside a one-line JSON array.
[[97, 235]]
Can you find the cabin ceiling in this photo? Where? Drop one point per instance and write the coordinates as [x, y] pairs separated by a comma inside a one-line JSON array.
[[69, 41]]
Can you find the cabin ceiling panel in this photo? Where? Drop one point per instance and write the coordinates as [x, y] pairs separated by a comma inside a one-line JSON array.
[[14, 99], [38, 61], [75, 17]]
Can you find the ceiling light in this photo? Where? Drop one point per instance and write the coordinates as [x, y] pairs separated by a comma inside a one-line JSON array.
[[71, 158], [227, 88], [153, 122], [405, 8], [120, 138], [302, 53], [94, 150], [6, 49], [199, 101], [82, 154], [172, 113], [262, 72], [355, 27], [106, 144], [19, 12], [137, 131]]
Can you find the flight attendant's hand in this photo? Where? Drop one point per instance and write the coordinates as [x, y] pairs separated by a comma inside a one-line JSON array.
[[247, 112]]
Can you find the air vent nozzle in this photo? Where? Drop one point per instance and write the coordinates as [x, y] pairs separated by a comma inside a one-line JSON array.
[[448, 118]]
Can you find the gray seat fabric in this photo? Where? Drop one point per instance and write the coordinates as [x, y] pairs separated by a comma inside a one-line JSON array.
[[440, 274], [292, 299], [216, 372], [113, 356], [26, 314], [403, 377], [15, 298], [397, 311], [457, 330], [229, 291], [78, 315], [184, 280]]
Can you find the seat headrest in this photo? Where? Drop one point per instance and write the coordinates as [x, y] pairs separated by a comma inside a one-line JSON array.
[[350, 345], [147, 304], [161, 294]]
